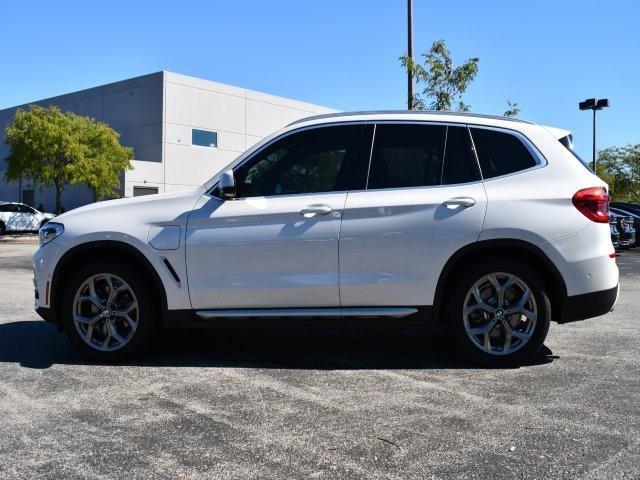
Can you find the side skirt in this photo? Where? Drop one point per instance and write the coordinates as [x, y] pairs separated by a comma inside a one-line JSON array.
[[175, 318]]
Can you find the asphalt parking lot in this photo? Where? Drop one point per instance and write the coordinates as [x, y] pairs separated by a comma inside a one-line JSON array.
[[294, 402]]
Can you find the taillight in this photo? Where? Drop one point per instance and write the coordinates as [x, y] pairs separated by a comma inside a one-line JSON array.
[[593, 203]]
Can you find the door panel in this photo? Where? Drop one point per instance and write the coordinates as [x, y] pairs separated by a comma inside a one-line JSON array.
[[276, 245], [265, 252], [394, 243]]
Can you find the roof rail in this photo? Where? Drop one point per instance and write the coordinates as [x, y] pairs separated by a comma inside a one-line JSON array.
[[407, 112]]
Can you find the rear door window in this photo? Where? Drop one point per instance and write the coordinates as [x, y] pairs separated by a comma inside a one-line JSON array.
[[414, 155], [500, 153], [406, 155], [460, 165]]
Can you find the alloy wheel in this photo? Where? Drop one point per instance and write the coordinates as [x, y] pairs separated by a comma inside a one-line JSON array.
[[105, 312], [500, 313]]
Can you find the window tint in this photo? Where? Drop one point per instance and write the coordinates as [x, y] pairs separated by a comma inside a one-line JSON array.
[[460, 165], [204, 138], [4, 208], [406, 156], [24, 209], [500, 153], [311, 161]]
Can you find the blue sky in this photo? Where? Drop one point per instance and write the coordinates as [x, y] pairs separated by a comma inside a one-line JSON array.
[[546, 55]]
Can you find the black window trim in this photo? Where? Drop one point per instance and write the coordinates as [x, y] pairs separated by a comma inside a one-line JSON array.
[[538, 157], [420, 122], [251, 154]]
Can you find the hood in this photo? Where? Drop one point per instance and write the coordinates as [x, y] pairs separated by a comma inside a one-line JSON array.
[[129, 216], [122, 203]]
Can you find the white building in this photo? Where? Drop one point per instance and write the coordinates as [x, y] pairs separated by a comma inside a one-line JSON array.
[[182, 130]]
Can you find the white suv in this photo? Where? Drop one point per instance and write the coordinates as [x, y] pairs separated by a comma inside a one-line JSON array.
[[489, 225]]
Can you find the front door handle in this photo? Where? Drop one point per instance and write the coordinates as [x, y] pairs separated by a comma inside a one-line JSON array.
[[462, 202], [317, 209]]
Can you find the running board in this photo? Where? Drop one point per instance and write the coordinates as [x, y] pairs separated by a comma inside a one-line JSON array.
[[361, 312]]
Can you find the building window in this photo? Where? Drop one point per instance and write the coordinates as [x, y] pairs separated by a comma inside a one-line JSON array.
[[140, 191], [204, 138]]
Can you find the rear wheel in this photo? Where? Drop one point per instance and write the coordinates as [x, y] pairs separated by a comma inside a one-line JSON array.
[[109, 311], [3, 228], [499, 312]]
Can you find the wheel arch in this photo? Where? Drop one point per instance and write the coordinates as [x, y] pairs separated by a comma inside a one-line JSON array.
[[105, 249], [504, 247]]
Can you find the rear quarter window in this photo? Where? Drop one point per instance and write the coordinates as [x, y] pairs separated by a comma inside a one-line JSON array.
[[500, 153]]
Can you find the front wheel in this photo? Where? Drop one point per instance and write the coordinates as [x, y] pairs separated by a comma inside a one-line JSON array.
[[109, 311], [499, 312]]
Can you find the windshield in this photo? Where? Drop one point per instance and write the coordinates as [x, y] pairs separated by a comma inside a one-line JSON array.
[[568, 143]]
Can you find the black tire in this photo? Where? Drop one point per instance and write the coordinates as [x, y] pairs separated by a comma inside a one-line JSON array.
[[147, 315], [462, 284], [3, 229]]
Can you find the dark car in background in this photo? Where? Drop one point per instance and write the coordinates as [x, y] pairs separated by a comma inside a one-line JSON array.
[[624, 224], [631, 212], [615, 235]]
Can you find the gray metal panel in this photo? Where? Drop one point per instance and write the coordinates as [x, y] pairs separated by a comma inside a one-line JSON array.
[[134, 106], [141, 135], [148, 153]]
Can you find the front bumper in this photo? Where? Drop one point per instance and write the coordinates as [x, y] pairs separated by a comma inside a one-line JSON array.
[[588, 305], [47, 314], [628, 239]]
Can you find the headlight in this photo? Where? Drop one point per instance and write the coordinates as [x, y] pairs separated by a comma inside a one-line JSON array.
[[49, 231]]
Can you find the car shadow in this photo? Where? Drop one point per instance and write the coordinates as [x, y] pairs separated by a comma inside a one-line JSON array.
[[35, 344]]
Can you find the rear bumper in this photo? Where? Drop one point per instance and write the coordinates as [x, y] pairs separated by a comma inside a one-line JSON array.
[[588, 305]]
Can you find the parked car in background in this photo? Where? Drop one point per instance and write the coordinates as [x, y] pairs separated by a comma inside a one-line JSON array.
[[624, 224], [18, 217], [488, 225], [627, 207], [615, 234], [632, 216]]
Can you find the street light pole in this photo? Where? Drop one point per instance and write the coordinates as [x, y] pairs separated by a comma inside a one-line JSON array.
[[594, 104], [594, 140], [410, 54]]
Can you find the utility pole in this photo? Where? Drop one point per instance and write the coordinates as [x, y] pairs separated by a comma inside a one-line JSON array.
[[410, 54]]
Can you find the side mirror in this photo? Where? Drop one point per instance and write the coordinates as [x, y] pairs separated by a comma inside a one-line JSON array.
[[227, 185]]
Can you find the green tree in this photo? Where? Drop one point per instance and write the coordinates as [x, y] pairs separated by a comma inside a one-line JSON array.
[[444, 83], [103, 161], [513, 109], [44, 145], [620, 168], [54, 148]]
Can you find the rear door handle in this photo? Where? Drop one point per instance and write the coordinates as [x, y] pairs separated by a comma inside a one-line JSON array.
[[462, 202], [317, 209]]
